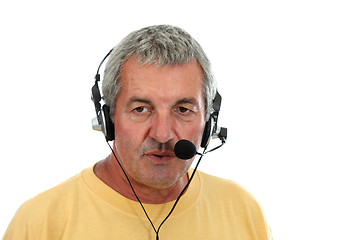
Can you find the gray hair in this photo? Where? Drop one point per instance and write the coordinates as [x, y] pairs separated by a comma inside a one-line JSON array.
[[160, 45]]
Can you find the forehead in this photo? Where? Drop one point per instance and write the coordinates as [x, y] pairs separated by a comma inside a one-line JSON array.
[[162, 82]]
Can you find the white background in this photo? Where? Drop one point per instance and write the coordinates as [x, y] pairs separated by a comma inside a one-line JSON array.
[[288, 72]]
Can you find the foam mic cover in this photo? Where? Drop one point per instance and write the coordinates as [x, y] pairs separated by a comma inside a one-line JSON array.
[[184, 149]]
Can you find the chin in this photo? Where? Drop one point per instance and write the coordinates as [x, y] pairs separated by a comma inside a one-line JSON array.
[[164, 180]]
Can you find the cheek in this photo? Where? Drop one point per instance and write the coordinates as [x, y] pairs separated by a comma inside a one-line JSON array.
[[200, 134], [126, 130], [128, 138], [193, 132]]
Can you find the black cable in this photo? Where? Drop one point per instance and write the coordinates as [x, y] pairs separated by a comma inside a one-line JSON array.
[[132, 188], [182, 192], [223, 141], [176, 202], [97, 72]]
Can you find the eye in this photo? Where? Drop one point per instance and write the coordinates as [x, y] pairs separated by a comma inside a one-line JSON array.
[[141, 109], [185, 113], [183, 110]]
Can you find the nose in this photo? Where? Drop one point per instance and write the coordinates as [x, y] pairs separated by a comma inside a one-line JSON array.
[[162, 129]]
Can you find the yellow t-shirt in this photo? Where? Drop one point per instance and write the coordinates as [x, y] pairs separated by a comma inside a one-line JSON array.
[[84, 207]]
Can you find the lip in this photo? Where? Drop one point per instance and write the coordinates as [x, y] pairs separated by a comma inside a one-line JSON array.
[[160, 157]]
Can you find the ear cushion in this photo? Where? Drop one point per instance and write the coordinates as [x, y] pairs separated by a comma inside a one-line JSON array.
[[207, 133], [109, 125]]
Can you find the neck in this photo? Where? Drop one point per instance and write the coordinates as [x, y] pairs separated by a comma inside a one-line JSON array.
[[112, 175]]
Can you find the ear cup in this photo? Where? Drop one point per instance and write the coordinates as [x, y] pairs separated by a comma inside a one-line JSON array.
[[207, 133], [108, 124]]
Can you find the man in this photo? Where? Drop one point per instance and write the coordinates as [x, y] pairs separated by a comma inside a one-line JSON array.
[[158, 89]]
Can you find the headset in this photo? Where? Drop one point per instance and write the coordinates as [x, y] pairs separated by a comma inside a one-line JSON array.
[[103, 122]]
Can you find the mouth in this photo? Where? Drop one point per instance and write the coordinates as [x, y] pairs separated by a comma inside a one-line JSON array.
[[160, 157]]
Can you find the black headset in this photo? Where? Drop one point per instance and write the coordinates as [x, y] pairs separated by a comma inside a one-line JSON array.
[[103, 122]]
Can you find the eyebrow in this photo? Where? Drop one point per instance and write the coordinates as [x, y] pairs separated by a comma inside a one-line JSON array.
[[190, 100], [137, 99]]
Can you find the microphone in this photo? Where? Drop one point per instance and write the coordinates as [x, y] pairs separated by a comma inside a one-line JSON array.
[[184, 149]]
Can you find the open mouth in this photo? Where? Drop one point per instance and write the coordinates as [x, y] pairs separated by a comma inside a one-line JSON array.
[[160, 157]]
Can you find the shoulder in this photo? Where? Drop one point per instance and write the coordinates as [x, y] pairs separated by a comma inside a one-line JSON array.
[[45, 208], [55, 195], [222, 185], [228, 192], [236, 202]]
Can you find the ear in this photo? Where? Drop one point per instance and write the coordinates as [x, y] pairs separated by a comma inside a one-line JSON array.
[[108, 124], [207, 132]]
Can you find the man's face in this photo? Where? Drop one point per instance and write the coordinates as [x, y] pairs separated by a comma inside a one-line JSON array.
[[156, 107]]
